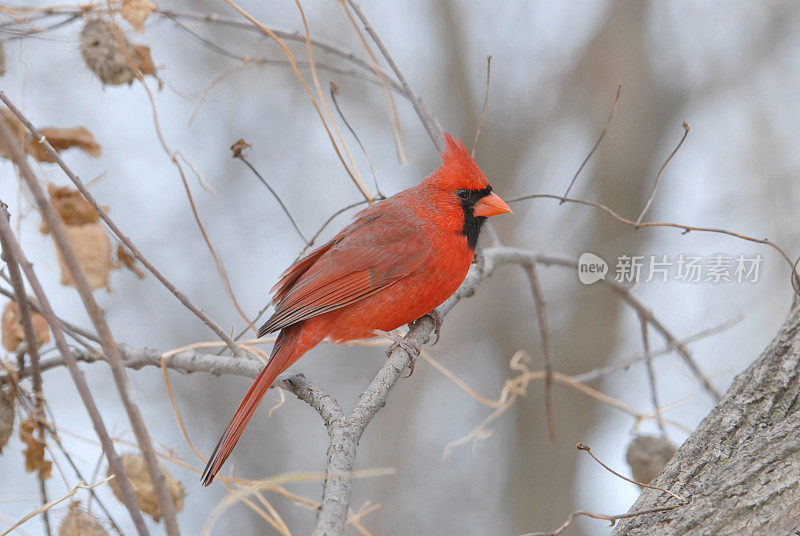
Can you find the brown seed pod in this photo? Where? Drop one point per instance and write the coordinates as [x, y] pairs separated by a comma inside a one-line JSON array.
[[92, 247], [110, 56], [79, 522], [6, 417], [13, 333], [647, 455], [104, 54], [136, 469]]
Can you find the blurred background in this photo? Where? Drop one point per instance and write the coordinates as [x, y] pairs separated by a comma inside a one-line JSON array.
[[728, 69]]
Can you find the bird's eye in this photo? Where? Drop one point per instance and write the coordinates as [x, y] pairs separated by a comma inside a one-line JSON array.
[[463, 193]]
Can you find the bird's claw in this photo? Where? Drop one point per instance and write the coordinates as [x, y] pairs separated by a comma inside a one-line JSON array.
[[412, 349], [437, 317]]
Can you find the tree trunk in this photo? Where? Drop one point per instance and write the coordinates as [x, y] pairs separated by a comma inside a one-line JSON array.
[[740, 466]]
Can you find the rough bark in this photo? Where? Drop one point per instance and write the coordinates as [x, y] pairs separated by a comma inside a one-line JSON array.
[[739, 467]]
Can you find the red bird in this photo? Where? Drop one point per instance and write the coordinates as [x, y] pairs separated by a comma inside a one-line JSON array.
[[399, 260]]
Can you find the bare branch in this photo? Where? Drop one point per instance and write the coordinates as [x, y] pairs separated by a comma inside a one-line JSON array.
[[595, 146], [238, 154], [544, 332], [651, 373], [399, 143], [485, 104], [686, 130]]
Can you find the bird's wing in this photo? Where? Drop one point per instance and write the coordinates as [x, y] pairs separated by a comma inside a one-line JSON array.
[[364, 258]]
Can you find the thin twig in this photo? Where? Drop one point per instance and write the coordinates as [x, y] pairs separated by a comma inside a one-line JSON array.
[[596, 144], [238, 155], [116, 230], [173, 157], [485, 103], [544, 333], [584, 447], [334, 92], [686, 130], [55, 439], [610, 518], [651, 373]]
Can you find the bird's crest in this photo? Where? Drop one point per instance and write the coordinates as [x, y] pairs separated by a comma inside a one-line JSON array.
[[458, 169]]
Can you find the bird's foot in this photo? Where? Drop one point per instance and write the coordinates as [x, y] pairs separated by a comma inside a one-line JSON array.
[[412, 349], [438, 318]]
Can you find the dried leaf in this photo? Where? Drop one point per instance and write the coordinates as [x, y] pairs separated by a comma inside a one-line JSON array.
[[34, 452], [239, 146], [71, 206], [59, 138], [13, 333], [128, 261], [63, 138], [136, 12], [92, 247], [143, 60], [136, 469]]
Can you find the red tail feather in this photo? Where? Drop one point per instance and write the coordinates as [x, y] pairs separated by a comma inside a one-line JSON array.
[[285, 352]]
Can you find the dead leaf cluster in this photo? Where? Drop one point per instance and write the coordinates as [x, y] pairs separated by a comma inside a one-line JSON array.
[[34, 449]]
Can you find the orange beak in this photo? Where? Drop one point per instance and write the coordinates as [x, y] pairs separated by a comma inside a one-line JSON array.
[[491, 205]]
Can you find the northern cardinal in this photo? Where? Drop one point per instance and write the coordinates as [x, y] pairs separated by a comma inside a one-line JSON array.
[[399, 260]]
